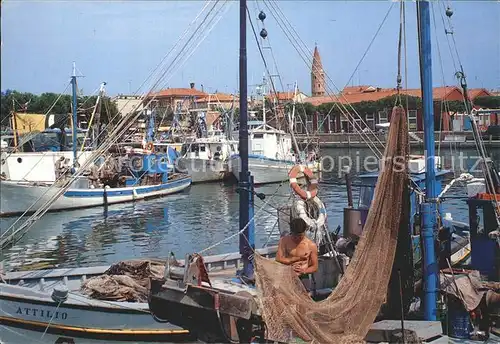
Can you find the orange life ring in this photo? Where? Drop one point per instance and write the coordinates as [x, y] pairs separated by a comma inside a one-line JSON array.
[[312, 182], [150, 146]]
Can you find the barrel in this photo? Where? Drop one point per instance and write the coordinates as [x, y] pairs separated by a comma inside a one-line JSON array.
[[459, 324]]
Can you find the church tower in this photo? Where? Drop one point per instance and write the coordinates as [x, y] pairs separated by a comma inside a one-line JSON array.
[[317, 76]]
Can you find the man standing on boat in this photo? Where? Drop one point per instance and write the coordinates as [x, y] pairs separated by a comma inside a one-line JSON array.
[[94, 175], [58, 167], [298, 250]]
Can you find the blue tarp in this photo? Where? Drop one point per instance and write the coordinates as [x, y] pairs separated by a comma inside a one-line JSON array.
[[172, 154]]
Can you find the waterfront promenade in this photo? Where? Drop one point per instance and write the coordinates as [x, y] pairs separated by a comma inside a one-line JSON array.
[[355, 140]]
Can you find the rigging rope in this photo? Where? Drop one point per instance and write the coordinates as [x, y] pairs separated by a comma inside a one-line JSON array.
[[400, 39], [114, 136], [470, 112], [371, 43], [444, 100], [33, 135], [305, 54], [261, 209], [270, 77]]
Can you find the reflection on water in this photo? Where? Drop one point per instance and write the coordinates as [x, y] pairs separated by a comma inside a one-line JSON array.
[[191, 221], [184, 223]]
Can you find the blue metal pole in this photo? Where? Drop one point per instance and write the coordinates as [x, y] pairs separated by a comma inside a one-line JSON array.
[[245, 183], [75, 125], [429, 206]]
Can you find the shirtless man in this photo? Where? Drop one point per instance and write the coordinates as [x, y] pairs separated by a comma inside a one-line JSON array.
[[297, 250]]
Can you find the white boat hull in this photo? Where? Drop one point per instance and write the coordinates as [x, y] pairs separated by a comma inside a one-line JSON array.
[[27, 305], [202, 170], [27, 308], [266, 171], [17, 198], [36, 166], [14, 335]]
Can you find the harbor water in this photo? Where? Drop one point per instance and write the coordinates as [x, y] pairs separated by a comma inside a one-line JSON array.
[[204, 216]]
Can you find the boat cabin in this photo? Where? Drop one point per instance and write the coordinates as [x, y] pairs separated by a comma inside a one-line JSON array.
[[213, 147], [54, 140], [485, 250], [355, 216], [268, 142]]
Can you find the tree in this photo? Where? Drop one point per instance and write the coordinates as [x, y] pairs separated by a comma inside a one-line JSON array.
[[54, 104]]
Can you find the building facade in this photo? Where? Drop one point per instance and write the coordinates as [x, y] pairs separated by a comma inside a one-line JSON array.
[[333, 121], [127, 104], [178, 100]]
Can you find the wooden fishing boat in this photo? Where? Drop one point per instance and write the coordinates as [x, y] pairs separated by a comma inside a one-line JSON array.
[[50, 301], [205, 159], [224, 305], [18, 198], [34, 300]]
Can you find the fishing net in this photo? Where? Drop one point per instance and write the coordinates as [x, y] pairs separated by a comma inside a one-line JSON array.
[[347, 314], [124, 281]]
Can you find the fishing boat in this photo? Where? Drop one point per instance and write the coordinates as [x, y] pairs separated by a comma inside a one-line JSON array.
[[272, 153], [51, 302], [205, 157], [38, 165], [20, 198], [147, 175], [41, 150], [224, 305]]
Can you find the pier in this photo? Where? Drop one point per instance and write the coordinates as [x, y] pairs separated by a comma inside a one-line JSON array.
[[459, 140]]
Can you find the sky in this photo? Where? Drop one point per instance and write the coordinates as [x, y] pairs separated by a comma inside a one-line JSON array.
[[121, 42]]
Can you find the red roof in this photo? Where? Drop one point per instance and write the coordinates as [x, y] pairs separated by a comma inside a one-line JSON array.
[[212, 117], [356, 94], [283, 96], [357, 89], [479, 92], [179, 92], [218, 97]]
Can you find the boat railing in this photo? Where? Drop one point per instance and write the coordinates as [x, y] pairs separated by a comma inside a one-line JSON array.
[[233, 260], [48, 274]]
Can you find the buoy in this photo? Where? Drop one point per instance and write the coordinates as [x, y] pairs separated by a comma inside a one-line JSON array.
[[301, 211], [312, 182]]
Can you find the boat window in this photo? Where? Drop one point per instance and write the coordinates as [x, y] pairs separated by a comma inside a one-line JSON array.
[[202, 148], [194, 148], [219, 148], [45, 142], [365, 196], [258, 136]]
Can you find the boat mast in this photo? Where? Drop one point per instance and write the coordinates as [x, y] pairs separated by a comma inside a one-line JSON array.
[[14, 123], [96, 129], [245, 183], [292, 121], [263, 91], [74, 126], [430, 275], [151, 113]]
